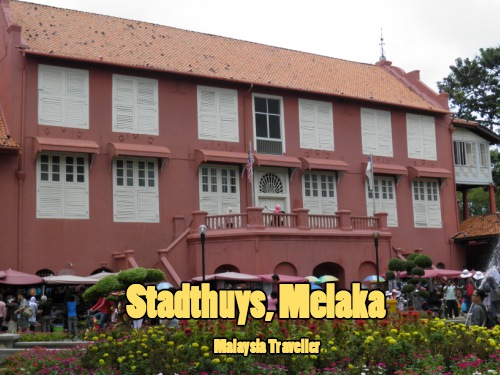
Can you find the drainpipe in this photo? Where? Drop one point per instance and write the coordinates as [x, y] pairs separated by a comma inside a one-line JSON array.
[[21, 174]]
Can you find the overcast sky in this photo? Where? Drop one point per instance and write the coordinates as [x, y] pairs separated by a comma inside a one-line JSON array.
[[424, 35]]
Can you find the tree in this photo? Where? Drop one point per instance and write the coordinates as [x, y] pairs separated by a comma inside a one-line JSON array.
[[473, 87]]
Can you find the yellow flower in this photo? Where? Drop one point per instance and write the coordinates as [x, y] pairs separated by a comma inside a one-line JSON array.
[[230, 360], [110, 338], [216, 361], [204, 348], [392, 341], [394, 331], [351, 366], [206, 354], [145, 355], [101, 361], [133, 368], [333, 349], [105, 355], [170, 343], [95, 338], [195, 344], [313, 356]]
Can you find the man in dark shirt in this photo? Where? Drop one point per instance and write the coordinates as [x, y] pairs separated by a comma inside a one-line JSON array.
[[46, 316]]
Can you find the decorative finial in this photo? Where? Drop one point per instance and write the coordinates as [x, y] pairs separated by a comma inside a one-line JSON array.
[[382, 56]]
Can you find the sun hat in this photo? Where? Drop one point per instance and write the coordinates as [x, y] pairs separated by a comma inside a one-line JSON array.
[[398, 293], [478, 276], [465, 274]]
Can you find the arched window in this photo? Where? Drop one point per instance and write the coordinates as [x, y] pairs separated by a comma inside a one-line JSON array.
[[45, 272], [270, 184]]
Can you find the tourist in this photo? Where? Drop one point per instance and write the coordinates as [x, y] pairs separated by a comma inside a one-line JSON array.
[[3, 312], [22, 321], [32, 319], [272, 301], [451, 300], [491, 285], [104, 308], [71, 305], [46, 315], [478, 311], [11, 318]]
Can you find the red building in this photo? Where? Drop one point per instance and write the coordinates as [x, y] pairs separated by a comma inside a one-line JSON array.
[[127, 136]]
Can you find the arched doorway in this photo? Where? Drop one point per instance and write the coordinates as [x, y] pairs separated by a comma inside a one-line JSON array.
[[285, 268], [330, 268], [226, 268]]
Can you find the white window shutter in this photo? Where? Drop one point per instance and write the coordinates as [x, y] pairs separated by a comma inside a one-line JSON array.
[[307, 118], [228, 112], [147, 107], [207, 114], [391, 209], [420, 214], [384, 133], [147, 206], [76, 202], [124, 204], [434, 214], [233, 202], [50, 96], [414, 135], [76, 99], [210, 204], [429, 138], [325, 126], [123, 104], [313, 206], [329, 207], [49, 200], [369, 132]]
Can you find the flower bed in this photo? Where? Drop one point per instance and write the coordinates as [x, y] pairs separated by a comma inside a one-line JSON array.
[[403, 343]]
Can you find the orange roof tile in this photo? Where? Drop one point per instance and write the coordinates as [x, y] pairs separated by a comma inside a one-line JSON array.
[[478, 227], [6, 142], [88, 36]]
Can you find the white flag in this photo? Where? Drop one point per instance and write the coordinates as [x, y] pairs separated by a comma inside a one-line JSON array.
[[369, 173]]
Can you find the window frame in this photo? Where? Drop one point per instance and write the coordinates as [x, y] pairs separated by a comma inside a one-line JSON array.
[[383, 204], [426, 204], [136, 194], [316, 126], [374, 135], [218, 114], [62, 188], [424, 145], [224, 199], [135, 105], [282, 120], [320, 199], [48, 97]]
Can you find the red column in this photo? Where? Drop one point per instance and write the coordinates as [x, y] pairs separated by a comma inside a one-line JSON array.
[[493, 205]]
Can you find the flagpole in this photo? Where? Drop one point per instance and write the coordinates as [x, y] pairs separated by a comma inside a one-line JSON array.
[[373, 185], [250, 180]]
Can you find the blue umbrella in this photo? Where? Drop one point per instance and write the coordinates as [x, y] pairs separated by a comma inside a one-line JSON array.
[[164, 285], [315, 287]]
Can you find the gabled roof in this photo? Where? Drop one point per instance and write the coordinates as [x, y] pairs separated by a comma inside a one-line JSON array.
[[86, 36], [6, 142], [479, 227], [478, 129]]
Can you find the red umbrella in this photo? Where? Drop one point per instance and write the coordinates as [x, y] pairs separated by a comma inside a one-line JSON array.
[[12, 277]]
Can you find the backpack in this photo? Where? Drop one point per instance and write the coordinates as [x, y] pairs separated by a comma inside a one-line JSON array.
[[27, 313], [490, 321]]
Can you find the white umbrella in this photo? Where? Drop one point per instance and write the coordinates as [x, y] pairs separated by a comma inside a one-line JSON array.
[[69, 280]]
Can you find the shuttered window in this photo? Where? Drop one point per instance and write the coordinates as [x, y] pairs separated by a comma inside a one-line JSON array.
[[421, 137], [62, 186], [268, 122], [385, 199], [376, 132], [316, 125], [136, 190], [319, 192], [218, 114], [135, 105], [426, 204], [63, 97], [219, 189]]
